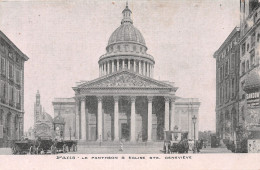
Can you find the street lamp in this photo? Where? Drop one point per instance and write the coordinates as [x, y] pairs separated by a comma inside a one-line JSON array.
[[194, 119], [70, 132]]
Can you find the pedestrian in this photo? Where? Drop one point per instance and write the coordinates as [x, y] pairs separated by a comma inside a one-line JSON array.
[[121, 146]]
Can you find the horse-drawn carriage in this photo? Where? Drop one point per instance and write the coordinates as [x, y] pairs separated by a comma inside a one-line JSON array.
[[65, 146], [22, 147], [43, 146], [175, 142]]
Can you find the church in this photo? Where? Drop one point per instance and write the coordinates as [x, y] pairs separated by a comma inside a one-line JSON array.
[[125, 102]]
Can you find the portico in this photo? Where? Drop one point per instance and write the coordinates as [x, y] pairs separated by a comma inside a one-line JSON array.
[[133, 110]]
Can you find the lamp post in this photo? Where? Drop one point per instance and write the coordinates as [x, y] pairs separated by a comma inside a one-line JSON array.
[[34, 134], [194, 119], [70, 132]]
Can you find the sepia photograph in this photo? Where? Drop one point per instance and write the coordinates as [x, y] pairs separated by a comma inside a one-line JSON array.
[[171, 79]]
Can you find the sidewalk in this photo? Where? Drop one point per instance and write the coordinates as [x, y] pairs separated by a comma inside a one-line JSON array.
[[5, 151], [215, 150]]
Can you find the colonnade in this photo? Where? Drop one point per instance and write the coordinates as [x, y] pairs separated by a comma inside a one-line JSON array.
[[138, 66], [168, 118]]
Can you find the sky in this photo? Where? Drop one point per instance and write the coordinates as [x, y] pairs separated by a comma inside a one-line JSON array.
[[64, 40]]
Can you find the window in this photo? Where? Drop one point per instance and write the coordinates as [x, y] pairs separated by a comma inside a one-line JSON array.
[[252, 5], [11, 71], [247, 47], [1, 117], [243, 68], [243, 49], [232, 62], [12, 94], [255, 17], [4, 91], [118, 48], [19, 97], [252, 58], [126, 48], [18, 79], [247, 65], [220, 74], [253, 40], [258, 37], [233, 87], [3, 66], [10, 55], [226, 68]]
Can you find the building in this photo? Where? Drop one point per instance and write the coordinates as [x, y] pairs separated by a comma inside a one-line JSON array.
[[12, 91], [227, 80], [249, 93], [65, 110], [43, 122], [126, 102]]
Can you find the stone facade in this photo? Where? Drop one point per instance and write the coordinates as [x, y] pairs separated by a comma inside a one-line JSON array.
[[227, 78], [12, 91]]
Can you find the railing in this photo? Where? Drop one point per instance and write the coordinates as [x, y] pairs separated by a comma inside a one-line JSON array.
[[3, 100], [11, 103], [18, 106], [3, 74]]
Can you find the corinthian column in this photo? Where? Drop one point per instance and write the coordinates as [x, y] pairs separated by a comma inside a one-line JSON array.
[[83, 119], [133, 118], [166, 118], [116, 98], [113, 64], [117, 65], [77, 118], [123, 63], [100, 119], [172, 114], [108, 67], [150, 118], [139, 65], [134, 70], [129, 64]]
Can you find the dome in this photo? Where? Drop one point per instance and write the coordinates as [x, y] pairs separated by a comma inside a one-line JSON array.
[[126, 32]]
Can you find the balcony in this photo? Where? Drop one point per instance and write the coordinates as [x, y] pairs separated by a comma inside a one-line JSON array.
[[2, 100], [3, 74], [11, 103], [18, 85], [18, 106], [11, 80]]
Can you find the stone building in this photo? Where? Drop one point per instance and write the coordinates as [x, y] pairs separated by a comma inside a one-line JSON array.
[[43, 122], [126, 102], [12, 91], [64, 113], [249, 93], [227, 80]]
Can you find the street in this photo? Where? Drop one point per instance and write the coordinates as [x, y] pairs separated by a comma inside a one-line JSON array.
[[127, 148]]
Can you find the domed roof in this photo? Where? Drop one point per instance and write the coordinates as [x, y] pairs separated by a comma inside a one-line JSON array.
[[126, 32]]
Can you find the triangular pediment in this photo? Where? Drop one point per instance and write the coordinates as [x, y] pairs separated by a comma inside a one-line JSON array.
[[125, 79]]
